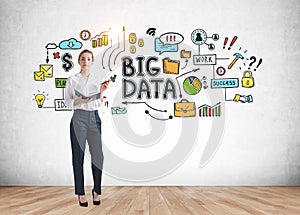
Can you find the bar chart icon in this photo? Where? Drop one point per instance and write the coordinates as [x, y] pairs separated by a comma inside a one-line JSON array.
[[102, 41], [210, 111]]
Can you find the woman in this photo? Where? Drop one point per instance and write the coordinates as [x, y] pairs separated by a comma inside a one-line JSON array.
[[85, 126]]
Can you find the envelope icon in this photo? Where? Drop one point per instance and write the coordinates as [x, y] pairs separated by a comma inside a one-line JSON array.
[[118, 110], [47, 69], [170, 66], [39, 76]]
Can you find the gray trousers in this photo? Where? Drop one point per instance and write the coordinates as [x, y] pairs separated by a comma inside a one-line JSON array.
[[86, 126]]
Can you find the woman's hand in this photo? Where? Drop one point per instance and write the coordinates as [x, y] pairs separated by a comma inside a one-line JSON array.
[[104, 86], [80, 100]]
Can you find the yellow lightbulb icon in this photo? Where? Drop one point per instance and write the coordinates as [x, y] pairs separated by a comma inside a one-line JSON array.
[[40, 98]]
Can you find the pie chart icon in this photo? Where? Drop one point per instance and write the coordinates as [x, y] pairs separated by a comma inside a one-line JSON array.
[[192, 85]]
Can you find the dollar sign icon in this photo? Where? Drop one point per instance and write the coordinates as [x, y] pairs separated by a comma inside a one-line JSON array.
[[67, 63]]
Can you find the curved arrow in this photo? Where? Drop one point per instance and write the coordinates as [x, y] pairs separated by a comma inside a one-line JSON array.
[[105, 52], [112, 53], [145, 104], [147, 112], [186, 61], [123, 43], [100, 34]]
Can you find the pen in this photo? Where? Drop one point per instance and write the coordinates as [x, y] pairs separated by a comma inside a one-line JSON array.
[[104, 82]]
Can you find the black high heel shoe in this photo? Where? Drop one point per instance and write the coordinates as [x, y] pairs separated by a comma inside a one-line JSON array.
[[95, 202], [82, 204]]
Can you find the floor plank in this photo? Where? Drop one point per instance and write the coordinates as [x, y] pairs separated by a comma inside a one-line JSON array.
[[157, 203], [153, 200], [174, 204], [140, 204]]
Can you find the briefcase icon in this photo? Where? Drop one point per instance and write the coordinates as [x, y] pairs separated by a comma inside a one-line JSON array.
[[184, 108], [170, 66]]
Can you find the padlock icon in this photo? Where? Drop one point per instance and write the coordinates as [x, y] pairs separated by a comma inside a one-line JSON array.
[[132, 49], [132, 38], [247, 80], [141, 42]]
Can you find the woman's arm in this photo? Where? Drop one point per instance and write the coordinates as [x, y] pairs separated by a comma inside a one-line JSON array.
[[69, 100], [103, 87], [80, 100]]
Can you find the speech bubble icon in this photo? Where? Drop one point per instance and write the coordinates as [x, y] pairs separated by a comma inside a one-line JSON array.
[[161, 48], [171, 38]]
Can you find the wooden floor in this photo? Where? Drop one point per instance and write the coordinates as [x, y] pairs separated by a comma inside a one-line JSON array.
[[153, 200]]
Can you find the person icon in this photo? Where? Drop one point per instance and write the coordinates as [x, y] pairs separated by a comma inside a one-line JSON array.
[[211, 47], [198, 37]]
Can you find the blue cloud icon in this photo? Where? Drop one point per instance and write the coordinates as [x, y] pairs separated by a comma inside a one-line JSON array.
[[70, 44]]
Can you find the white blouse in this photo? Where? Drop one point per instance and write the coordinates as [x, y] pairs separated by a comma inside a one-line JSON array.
[[85, 87]]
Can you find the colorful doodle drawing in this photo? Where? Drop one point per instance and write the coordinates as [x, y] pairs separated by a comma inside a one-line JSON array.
[[199, 37], [237, 56], [243, 98], [253, 60], [67, 62], [232, 42], [185, 54], [161, 48], [184, 108], [161, 119], [85, 35], [151, 31], [132, 38], [126, 103], [118, 110], [51, 46], [60, 82], [170, 66], [71, 43], [192, 85], [46, 70], [123, 46], [40, 98], [247, 80], [39, 76], [171, 38], [208, 59], [56, 55], [61, 106], [210, 111]]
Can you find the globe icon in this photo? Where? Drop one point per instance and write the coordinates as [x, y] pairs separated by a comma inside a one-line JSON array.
[[192, 85]]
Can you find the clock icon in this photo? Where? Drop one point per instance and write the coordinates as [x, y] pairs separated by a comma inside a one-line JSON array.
[[85, 35], [221, 70], [199, 36]]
